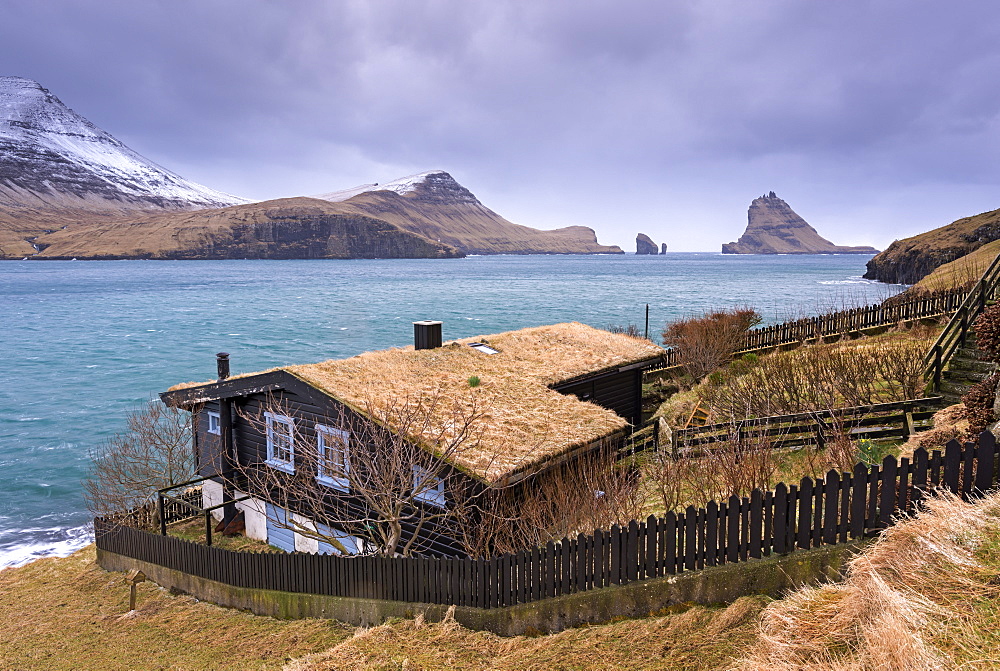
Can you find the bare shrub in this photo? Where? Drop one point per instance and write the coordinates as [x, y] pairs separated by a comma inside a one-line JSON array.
[[392, 488], [987, 329], [814, 377], [706, 343], [629, 329], [746, 461], [153, 452], [591, 492], [978, 402]]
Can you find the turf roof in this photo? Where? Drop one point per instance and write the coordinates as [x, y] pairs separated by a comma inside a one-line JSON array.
[[524, 422]]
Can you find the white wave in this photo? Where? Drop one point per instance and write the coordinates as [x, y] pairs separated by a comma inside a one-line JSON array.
[[55, 542]]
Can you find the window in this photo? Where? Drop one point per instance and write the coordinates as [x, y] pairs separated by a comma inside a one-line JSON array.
[[280, 442], [331, 446], [214, 423], [483, 347], [428, 487]]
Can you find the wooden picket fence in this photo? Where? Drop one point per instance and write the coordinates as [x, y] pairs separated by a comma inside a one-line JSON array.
[[899, 419], [834, 324], [832, 510]]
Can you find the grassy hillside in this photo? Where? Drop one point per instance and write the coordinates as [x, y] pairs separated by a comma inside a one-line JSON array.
[[909, 260], [69, 614], [961, 271]]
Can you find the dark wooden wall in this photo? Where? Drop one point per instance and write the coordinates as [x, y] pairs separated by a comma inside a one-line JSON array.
[[620, 392]]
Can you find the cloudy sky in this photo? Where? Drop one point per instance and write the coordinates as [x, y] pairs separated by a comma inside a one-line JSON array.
[[874, 120]]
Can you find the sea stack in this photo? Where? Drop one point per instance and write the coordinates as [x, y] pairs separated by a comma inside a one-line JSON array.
[[663, 248], [644, 245], [774, 228]]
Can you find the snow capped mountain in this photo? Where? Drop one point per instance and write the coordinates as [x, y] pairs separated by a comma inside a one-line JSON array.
[[425, 185], [52, 156]]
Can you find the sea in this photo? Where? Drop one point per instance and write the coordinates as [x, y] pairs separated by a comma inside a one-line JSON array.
[[84, 342]]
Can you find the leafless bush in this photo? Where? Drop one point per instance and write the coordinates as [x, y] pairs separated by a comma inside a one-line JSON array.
[[387, 490], [629, 330], [746, 461], [814, 377], [707, 342], [588, 493], [154, 451]]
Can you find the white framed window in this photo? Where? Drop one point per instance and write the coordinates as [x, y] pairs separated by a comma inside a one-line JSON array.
[[429, 488], [332, 446], [214, 423], [280, 442]]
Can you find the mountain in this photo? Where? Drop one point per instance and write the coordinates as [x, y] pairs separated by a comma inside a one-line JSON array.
[[434, 205], [774, 228], [57, 169], [909, 260], [69, 189], [50, 156]]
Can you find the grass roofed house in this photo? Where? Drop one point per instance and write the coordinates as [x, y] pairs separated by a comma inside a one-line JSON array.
[[499, 408]]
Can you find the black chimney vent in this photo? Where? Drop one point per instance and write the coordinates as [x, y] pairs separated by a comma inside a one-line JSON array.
[[222, 362], [426, 334]]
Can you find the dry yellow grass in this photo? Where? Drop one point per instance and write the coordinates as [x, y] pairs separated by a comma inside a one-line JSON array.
[[923, 596], [694, 639], [523, 421], [961, 271], [68, 614]]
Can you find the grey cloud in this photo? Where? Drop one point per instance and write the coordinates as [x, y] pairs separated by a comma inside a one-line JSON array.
[[694, 107]]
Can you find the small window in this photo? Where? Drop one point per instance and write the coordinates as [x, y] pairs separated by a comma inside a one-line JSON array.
[[429, 488], [483, 347], [331, 446], [280, 442], [214, 423]]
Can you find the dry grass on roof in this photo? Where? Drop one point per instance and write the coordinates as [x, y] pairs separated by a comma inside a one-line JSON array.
[[522, 421]]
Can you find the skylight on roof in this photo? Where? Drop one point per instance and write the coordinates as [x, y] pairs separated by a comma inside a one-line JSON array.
[[483, 347]]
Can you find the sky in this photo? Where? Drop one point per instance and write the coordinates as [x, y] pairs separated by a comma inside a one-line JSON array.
[[873, 120]]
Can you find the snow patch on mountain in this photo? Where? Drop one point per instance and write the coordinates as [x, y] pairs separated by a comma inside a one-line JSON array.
[[48, 150], [401, 186]]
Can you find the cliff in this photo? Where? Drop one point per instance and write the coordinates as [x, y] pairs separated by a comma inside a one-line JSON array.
[[291, 228], [644, 245], [907, 261], [774, 228]]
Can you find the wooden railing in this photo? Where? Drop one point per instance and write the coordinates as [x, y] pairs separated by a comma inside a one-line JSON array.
[[955, 334], [831, 510], [884, 420]]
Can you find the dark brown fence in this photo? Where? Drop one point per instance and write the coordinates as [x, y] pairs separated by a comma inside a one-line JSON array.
[[854, 320], [835, 509], [845, 322], [884, 420]]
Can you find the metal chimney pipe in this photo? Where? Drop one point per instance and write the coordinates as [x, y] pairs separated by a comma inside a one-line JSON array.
[[426, 334], [222, 363]]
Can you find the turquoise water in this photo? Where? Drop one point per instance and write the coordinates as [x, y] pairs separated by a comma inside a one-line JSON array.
[[83, 342]]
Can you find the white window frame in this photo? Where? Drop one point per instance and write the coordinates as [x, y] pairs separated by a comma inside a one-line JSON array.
[[342, 446], [217, 431], [431, 495], [272, 420]]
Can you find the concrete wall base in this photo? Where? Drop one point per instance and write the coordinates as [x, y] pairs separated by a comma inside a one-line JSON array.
[[772, 576]]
